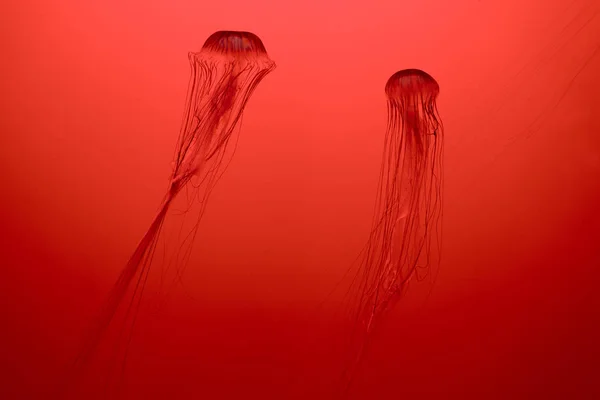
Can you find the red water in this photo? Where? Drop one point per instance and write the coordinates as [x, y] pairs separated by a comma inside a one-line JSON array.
[[92, 97]]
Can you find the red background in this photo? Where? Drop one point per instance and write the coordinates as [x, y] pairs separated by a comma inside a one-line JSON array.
[[92, 96]]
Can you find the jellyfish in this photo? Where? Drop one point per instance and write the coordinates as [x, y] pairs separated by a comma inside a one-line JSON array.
[[224, 74], [405, 240]]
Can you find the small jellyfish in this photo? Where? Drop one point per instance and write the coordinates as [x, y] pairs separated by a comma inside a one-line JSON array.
[[406, 232], [224, 74]]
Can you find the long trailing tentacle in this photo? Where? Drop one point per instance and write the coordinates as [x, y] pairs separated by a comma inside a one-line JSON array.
[[136, 269]]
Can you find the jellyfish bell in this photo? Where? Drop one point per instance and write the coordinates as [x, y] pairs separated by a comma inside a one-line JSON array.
[[411, 82], [235, 43]]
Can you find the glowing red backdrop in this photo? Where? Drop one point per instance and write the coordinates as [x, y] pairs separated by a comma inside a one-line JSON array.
[[92, 97]]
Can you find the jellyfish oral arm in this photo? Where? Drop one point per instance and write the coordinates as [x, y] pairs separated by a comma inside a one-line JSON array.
[[192, 164]]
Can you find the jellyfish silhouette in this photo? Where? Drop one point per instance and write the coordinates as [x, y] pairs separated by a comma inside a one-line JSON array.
[[405, 239], [224, 74]]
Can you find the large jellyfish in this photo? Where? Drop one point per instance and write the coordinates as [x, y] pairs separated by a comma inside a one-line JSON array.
[[404, 243], [224, 74]]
